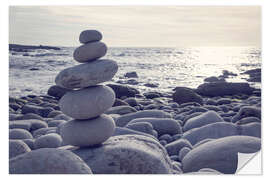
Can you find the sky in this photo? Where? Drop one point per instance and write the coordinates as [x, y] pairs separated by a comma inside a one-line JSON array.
[[137, 26]]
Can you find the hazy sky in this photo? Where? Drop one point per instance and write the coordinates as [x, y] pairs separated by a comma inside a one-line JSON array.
[[170, 26]]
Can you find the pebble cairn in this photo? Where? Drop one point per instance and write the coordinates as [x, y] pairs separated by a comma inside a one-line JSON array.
[[86, 102]]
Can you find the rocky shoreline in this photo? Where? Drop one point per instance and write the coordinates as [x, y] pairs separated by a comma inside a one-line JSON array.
[[84, 127], [179, 128]]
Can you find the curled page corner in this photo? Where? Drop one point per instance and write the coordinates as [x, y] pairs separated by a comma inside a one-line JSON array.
[[249, 164]]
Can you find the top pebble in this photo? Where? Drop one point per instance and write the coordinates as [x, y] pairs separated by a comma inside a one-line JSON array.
[[90, 36]]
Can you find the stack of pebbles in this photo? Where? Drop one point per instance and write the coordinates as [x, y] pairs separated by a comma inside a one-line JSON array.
[[88, 99]]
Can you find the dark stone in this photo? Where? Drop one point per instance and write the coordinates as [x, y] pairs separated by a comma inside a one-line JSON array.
[[214, 79], [151, 95], [14, 106], [152, 85], [123, 90], [57, 91], [34, 69], [185, 95], [224, 88], [36, 110], [131, 75], [119, 102], [131, 101]]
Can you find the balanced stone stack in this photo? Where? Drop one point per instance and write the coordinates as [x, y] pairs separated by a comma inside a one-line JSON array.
[[88, 99]]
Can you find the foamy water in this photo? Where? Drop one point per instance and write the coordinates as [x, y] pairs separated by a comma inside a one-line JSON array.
[[168, 67]]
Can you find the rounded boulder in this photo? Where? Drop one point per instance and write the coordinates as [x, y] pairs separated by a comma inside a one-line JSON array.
[[90, 52], [17, 147], [90, 36], [48, 161], [87, 133], [127, 154], [52, 140], [87, 74], [19, 134], [87, 103], [221, 154]]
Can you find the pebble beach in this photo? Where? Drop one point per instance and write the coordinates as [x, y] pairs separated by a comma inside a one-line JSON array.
[[89, 122]]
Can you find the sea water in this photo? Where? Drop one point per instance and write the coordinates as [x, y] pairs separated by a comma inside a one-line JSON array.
[[34, 72]]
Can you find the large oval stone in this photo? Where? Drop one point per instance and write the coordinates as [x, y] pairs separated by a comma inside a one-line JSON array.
[[127, 154], [90, 52], [88, 74], [48, 161], [90, 36], [17, 147], [125, 119], [87, 103], [220, 154], [202, 120], [212, 131], [161, 125], [87, 133]]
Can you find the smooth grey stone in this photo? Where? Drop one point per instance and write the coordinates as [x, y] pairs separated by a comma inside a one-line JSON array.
[[30, 116], [248, 120], [87, 132], [174, 147], [144, 127], [42, 131], [125, 119], [87, 103], [119, 102], [185, 95], [125, 131], [251, 129], [52, 140], [161, 125], [57, 91], [131, 101], [120, 110], [41, 111], [87, 74], [29, 142], [201, 120], [202, 142], [90, 52], [54, 113], [127, 154], [17, 147], [222, 101], [191, 116], [29, 125], [214, 131], [123, 90], [168, 138], [19, 134], [183, 152], [247, 111], [222, 153], [87, 36], [19, 125], [48, 161]]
